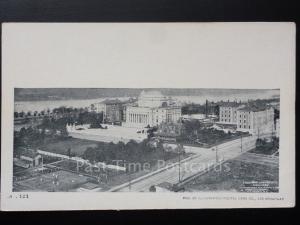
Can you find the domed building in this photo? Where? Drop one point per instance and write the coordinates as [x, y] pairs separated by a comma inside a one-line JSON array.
[[151, 99], [152, 109]]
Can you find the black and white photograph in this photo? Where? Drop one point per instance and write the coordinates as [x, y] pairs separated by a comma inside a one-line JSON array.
[[144, 140], [147, 115]]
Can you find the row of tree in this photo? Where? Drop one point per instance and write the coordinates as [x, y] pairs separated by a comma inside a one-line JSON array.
[[130, 152]]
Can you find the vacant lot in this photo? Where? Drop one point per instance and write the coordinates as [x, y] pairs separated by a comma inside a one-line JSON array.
[[240, 176], [57, 181], [77, 146], [266, 149]]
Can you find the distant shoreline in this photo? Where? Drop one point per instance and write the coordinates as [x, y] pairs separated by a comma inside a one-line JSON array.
[[69, 94]]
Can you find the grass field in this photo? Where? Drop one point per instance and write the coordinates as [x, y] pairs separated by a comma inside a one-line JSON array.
[[77, 146], [237, 176]]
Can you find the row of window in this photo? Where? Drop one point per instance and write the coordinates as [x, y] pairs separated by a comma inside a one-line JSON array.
[[225, 120], [244, 126], [225, 115]]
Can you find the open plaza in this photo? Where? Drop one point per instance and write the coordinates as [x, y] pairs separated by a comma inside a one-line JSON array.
[[113, 133]]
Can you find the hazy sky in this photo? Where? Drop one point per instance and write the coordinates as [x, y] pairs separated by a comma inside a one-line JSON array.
[[216, 55]]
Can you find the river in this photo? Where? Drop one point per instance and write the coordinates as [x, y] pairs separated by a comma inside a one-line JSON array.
[[51, 104]]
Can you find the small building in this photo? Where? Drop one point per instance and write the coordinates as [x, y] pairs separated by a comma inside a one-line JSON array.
[[162, 187], [29, 158]]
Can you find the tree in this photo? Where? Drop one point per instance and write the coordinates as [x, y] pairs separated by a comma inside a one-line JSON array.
[[152, 188], [69, 152], [260, 142], [64, 131], [21, 114]]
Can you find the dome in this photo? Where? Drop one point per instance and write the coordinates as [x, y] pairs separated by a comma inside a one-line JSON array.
[[151, 99], [151, 94]]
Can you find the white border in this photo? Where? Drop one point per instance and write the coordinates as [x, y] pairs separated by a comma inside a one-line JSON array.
[[18, 70]]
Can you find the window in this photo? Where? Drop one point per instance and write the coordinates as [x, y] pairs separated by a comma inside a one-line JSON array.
[[249, 127], [240, 126]]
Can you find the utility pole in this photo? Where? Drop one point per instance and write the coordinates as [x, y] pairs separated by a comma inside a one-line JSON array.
[[129, 181], [129, 176], [179, 164], [42, 164], [217, 159], [206, 108], [241, 143]]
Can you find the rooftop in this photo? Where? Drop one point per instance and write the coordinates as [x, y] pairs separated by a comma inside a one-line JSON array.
[[230, 104], [165, 185], [89, 186], [117, 101], [253, 108], [111, 101], [29, 153]]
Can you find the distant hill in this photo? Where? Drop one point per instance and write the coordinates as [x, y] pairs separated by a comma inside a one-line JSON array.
[[38, 94]]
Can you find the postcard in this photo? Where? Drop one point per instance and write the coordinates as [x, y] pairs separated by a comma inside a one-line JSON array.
[[147, 116]]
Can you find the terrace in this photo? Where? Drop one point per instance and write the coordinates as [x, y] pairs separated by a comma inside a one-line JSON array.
[[111, 134]]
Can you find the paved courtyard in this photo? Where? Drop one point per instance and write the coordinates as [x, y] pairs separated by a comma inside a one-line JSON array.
[[111, 134]]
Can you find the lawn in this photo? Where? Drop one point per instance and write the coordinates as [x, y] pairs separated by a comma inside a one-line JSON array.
[[77, 146], [266, 149], [238, 176]]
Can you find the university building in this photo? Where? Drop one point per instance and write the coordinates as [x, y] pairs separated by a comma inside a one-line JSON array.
[[151, 110], [228, 112], [114, 110], [247, 117], [255, 120]]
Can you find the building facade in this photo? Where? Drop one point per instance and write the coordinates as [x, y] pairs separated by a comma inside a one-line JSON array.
[[152, 109], [258, 121], [228, 112], [113, 110]]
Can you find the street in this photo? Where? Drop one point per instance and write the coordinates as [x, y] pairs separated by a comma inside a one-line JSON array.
[[204, 159]]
